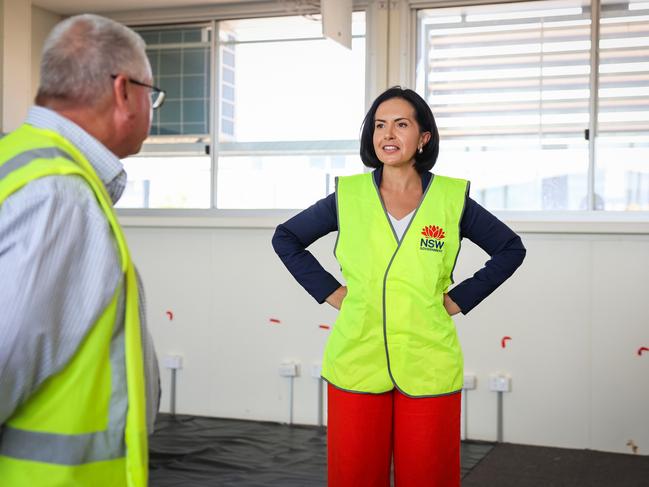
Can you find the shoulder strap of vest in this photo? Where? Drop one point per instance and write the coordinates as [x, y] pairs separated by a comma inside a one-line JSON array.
[[46, 153], [461, 184]]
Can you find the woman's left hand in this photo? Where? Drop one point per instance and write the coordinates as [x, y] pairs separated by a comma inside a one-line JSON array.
[[451, 307]]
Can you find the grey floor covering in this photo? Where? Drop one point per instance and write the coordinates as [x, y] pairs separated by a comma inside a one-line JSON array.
[[192, 451]]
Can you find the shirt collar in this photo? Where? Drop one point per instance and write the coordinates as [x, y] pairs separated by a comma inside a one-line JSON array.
[[107, 165]]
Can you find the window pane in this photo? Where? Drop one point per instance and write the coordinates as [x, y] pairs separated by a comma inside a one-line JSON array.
[[622, 175], [256, 182], [290, 84], [291, 108], [167, 182], [180, 62], [509, 87]]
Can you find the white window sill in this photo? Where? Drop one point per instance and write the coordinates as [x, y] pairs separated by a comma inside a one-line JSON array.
[[521, 222]]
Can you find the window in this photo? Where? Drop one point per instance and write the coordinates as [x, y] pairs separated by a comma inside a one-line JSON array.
[[509, 87], [292, 115], [173, 170], [287, 106], [622, 170]]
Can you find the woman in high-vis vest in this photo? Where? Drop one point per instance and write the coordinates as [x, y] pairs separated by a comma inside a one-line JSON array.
[[393, 361]]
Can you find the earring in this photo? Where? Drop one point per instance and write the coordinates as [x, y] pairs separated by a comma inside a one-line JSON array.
[[420, 150]]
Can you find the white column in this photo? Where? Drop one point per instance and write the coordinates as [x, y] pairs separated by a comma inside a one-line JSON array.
[[376, 66], [43, 21], [402, 44], [2, 38], [16, 70]]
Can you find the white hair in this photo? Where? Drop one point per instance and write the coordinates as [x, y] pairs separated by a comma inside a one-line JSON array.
[[83, 52]]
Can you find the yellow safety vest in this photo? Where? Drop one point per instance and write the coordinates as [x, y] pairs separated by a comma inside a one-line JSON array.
[[393, 329], [85, 425]]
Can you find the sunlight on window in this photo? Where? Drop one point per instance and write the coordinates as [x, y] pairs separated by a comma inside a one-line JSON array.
[[622, 170], [298, 105], [509, 88]]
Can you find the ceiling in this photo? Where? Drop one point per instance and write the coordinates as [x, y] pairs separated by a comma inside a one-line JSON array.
[[70, 7]]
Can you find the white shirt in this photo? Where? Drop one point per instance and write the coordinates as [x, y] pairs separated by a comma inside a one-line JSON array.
[[400, 226]]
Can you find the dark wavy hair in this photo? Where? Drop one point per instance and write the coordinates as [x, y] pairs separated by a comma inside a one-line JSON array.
[[424, 161]]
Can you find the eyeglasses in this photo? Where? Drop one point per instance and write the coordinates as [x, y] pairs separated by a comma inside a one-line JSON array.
[[158, 95]]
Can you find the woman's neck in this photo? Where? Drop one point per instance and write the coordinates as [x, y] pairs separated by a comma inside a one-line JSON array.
[[400, 179]]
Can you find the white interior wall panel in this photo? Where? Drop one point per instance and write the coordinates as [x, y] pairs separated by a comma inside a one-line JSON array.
[[177, 270], [548, 331], [620, 326], [576, 312], [224, 287]]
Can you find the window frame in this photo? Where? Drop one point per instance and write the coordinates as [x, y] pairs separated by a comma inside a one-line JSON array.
[[215, 214], [383, 46], [585, 215]]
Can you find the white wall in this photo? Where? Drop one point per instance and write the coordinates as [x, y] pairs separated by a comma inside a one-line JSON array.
[[23, 29], [43, 21], [15, 15], [576, 311], [2, 54]]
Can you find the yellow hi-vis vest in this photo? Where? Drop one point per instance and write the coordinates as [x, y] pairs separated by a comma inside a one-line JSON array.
[[85, 425], [393, 329]]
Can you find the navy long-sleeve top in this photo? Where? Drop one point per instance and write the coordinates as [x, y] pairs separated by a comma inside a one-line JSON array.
[[505, 248]]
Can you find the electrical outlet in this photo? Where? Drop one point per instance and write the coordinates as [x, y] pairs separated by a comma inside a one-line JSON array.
[[500, 383], [470, 382], [288, 369], [316, 370], [173, 361]]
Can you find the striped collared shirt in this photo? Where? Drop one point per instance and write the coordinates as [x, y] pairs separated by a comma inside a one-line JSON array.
[[59, 269]]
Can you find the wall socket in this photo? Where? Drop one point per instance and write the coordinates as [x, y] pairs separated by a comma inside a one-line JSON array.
[[316, 370], [500, 383], [173, 361], [470, 382], [288, 369]]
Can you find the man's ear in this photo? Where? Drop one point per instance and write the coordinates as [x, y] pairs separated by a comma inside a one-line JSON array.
[[121, 93]]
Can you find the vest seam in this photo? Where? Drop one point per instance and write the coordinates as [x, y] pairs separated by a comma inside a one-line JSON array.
[[428, 395], [353, 391], [385, 211], [387, 270], [337, 217], [459, 230], [389, 390]]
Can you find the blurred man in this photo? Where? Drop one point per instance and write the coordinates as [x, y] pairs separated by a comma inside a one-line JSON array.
[[79, 384]]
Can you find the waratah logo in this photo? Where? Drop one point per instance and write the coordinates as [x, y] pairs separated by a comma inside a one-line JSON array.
[[433, 238], [433, 231]]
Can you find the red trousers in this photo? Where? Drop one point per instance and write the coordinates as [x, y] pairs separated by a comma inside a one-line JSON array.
[[366, 431]]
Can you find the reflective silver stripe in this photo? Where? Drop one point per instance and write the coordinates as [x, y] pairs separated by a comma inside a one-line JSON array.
[[26, 157], [118, 406], [62, 449], [71, 449]]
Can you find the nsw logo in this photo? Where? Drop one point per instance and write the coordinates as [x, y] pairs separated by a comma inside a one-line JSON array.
[[433, 238]]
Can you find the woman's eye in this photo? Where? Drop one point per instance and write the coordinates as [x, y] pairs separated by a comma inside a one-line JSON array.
[[378, 126], [403, 125]]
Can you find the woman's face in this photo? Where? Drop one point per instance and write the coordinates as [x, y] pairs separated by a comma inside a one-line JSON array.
[[396, 133]]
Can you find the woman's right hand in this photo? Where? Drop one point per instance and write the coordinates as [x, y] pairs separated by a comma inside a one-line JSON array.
[[335, 299]]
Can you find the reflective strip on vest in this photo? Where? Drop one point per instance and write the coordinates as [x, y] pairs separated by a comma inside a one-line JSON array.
[[62, 449], [26, 157], [72, 449]]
